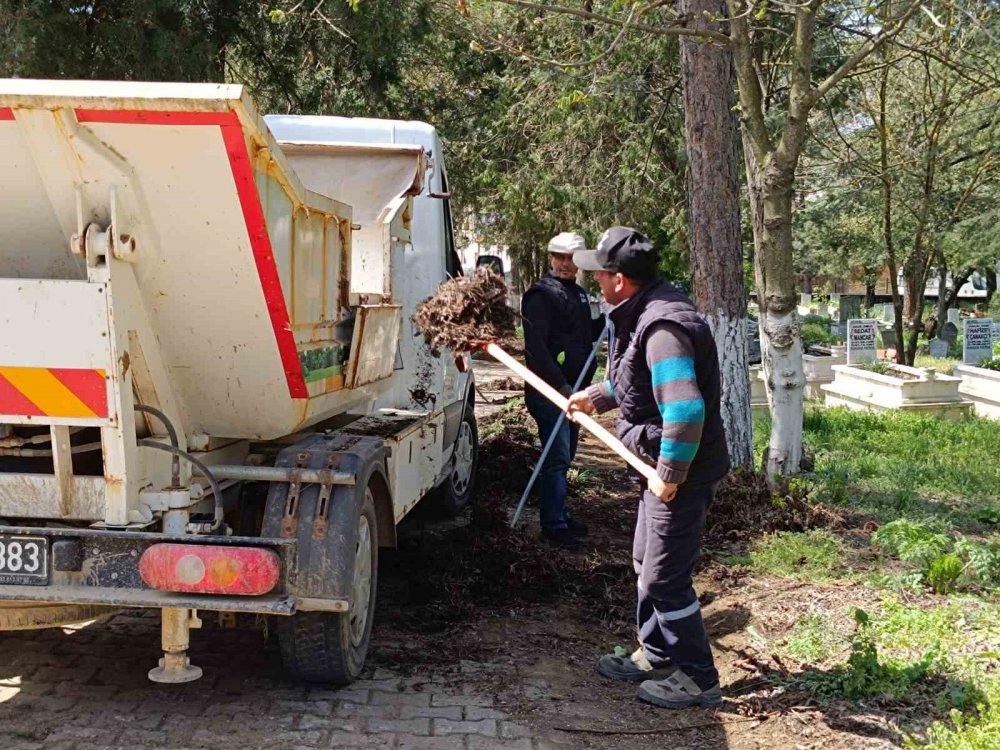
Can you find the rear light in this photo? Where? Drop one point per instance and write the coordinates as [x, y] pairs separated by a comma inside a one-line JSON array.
[[206, 569]]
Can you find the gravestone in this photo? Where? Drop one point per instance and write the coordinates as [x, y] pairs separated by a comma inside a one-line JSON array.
[[996, 331], [888, 313], [938, 348], [889, 338], [954, 315], [805, 299], [978, 343], [862, 341], [850, 308], [949, 333]]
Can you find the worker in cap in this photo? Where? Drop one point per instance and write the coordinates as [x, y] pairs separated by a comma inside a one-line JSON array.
[[559, 334], [663, 377]]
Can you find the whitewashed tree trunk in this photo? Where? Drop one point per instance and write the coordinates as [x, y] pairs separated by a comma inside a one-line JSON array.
[[731, 343], [770, 192], [784, 376]]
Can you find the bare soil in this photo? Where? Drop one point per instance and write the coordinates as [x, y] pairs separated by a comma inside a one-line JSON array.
[[506, 615]]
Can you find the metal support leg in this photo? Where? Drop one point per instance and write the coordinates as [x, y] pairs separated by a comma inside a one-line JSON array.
[[175, 667]]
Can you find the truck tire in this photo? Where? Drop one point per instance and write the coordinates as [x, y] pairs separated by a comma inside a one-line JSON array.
[[331, 647], [39, 615], [453, 495]]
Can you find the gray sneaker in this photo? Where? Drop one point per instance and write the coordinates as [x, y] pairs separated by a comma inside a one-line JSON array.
[[679, 691], [634, 668]]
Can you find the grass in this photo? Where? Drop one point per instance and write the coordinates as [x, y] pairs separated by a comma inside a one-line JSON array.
[[813, 640], [896, 465], [812, 555], [944, 365], [934, 643]]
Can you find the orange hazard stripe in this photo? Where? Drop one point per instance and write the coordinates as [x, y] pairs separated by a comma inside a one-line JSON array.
[[55, 392]]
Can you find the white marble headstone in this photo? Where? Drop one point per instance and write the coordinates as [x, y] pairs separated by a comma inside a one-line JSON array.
[[862, 341], [978, 340]]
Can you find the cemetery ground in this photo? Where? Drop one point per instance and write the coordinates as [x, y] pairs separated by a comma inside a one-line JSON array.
[[858, 610]]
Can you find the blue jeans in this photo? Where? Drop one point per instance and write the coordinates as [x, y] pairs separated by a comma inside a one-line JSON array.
[[552, 477]]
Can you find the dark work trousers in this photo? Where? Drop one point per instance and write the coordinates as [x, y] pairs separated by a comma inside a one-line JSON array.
[[667, 543], [552, 478]]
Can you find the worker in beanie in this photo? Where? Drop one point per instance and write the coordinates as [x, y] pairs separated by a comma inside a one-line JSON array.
[[663, 377], [559, 335]]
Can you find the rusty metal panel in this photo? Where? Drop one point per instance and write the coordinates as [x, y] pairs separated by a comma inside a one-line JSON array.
[[373, 348]]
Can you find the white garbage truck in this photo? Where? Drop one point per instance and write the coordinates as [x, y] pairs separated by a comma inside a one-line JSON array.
[[212, 398]]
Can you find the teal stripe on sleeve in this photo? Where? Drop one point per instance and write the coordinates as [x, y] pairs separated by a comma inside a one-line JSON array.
[[674, 450], [671, 369], [683, 411]]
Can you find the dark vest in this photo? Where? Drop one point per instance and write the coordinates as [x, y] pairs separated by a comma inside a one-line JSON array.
[[570, 325], [639, 424]]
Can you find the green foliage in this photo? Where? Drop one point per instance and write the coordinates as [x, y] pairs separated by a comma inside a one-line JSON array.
[[913, 541], [990, 363], [812, 555], [815, 333], [945, 559], [943, 573], [879, 366], [865, 674], [896, 464], [812, 639]]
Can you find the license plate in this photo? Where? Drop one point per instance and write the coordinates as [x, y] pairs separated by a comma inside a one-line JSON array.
[[24, 560]]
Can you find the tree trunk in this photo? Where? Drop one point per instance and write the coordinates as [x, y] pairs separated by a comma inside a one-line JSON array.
[[943, 295], [770, 190], [991, 283], [713, 199]]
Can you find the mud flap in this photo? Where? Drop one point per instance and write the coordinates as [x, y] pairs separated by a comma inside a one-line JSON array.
[[323, 519]]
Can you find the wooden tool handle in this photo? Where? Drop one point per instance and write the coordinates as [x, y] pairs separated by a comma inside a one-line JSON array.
[[583, 419]]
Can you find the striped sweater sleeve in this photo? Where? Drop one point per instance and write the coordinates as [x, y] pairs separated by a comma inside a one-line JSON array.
[[670, 357], [602, 395]]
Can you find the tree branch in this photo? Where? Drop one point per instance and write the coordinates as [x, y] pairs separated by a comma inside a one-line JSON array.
[[751, 96], [890, 30], [664, 30]]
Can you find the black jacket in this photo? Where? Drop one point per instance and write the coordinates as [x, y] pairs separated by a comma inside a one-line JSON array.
[[559, 333]]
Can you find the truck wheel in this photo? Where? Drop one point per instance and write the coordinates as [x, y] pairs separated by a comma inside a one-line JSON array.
[[331, 646], [39, 615], [453, 494]]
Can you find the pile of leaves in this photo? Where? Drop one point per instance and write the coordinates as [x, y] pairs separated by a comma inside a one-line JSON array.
[[466, 313], [745, 508]]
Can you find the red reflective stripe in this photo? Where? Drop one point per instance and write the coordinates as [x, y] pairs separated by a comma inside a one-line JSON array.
[[152, 117], [253, 217], [15, 403], [210, 569], [6, 113], [87, 385], [263, 255]]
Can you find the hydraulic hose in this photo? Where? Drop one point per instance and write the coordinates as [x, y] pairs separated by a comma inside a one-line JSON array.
[[175, 464], [206, 472]]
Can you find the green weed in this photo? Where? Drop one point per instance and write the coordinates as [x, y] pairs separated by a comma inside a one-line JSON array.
[[814, 555], [813, 640], [945, 558], [866, 674]]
